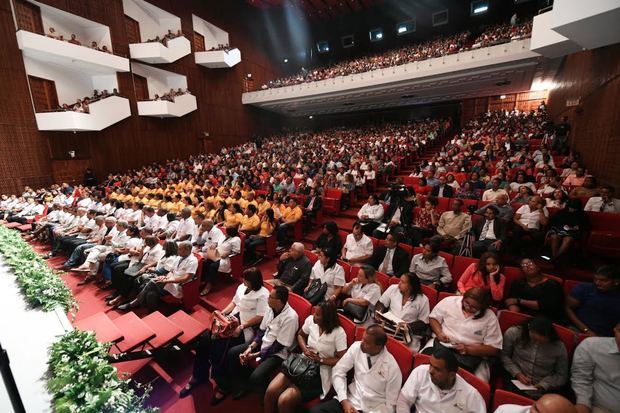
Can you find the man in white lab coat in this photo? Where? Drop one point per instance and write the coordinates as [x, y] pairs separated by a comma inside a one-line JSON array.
[[376, 382]]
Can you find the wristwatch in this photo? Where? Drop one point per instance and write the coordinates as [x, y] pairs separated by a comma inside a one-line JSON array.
[[321, 360]]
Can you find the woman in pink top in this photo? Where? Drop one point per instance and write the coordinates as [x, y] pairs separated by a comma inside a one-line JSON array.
[[484, 274]]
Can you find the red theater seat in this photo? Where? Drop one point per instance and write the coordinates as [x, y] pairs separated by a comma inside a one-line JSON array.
[[501, 397]]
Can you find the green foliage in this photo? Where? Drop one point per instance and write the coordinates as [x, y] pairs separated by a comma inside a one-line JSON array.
[[41, 286], [83, 381]]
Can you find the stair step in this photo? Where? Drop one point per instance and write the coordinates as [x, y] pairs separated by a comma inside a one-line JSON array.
[[105, 330], [165, 330], [135, 331], [191, 327]]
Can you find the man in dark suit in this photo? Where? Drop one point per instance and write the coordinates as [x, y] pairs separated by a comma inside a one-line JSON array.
[[490, 233], [390, 258], [312, 206], [443, 189]]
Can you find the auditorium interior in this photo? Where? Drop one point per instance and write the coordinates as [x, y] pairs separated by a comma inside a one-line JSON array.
[[277, 206]]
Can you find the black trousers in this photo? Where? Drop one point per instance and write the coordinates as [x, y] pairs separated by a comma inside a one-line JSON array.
[[121, 282], [527, 242], [330, 406], [150, 295], [211, 355], [210, 270], [236, 377]]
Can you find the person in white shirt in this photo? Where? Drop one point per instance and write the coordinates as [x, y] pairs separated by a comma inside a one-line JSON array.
[[249, 305], [530, 219], [406, 301], [376, 379], [217, 258], [604, 203], [116, 239], [467, 326], [320, 339], [329, 272], [549, 403], [271, 345], [208, 235], [168, 230], [370, 215], [490, 195], [95, 237], [364, 291], [436, 387], [183, 270], [186, 227], [358, 247]]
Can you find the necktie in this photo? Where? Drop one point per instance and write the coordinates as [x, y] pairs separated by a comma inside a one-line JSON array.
[[485, 228], [386, 261], [369, 362], [602, 209]]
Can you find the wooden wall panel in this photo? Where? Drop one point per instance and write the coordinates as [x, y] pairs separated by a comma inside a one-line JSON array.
[[592, 77], [137, 140]]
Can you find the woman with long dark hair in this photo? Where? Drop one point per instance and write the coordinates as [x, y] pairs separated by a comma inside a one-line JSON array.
[[534, 355], [329, 238], [268, 224], [217, 258], [320, 339], [329, 272], [484, 274]]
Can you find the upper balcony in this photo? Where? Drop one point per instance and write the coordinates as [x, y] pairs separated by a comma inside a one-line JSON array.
[[211, 44], [154, 34], [103, 113], [500, 69], [70, 55]]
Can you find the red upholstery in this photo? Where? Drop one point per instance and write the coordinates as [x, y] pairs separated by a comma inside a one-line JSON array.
[[383, 279], [407, 248], [311, 256], [570, 284], [270, 246], [505, 397], [105, 330], [513, 274], [349, 328], [604, 236], [236, 261], [431, 294], [343, 236], [466, 203], [331, 200], [302, 307], [12, 225], [135, 331], [483, 388], [411, 180], [459, 266], [349, 271], [165, 330], [444, 294], [443, 204], [401, 353], [448, 257], [191, 327]]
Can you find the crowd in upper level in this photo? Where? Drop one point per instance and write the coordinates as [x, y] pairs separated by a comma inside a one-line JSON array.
[[143, 233], [438, 47], [170, 95], [165, 38], [73, 39]]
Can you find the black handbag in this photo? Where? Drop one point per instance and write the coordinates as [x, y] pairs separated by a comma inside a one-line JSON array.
[[305, 373], [316, 291], [359, 313]]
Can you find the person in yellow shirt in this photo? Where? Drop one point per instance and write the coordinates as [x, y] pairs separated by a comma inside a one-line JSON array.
[[262, 204], [250, 222], [250, 200], [268, 225], [233, 215], [219, 215], [291, 215], [238, 199]]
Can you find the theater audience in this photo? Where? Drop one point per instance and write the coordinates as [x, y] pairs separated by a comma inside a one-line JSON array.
[[329, 272], [567, 227], [604, 203], [529, 220], [534, 355], [370, 215], [217, 258], [430, 267], [453, 225], [322, 340], [357, 248], [536, 294], [364, 291], [293, 269], [486, 275], [466, 326], [490, 233], [436, 387], [328, 239], [390, 258], [376, 377], [425, 222], [594, 308]]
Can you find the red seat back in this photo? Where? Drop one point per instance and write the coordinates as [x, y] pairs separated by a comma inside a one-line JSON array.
[[431, 294], [343, 236], [302, 307], [311, 256], [443, 204], [459, 265], [445, 294], [401, 353], [383, 279], [349, 328], [570, 284], [501, 397], [350, 272], [448, 257]]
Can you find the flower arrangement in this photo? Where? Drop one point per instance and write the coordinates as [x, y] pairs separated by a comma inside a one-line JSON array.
[[40, 284]]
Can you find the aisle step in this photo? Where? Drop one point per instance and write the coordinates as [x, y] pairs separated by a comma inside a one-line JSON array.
[[135, 331], [104, 328], [191, 327], [165, 330]]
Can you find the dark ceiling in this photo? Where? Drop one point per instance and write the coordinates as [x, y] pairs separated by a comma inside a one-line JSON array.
[[317, 10]]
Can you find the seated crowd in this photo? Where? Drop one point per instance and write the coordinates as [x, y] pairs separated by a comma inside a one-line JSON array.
[[442, 46], [74, 40], [224, 47], [165, 38], [82, 105], [144, 234], [169, 96]]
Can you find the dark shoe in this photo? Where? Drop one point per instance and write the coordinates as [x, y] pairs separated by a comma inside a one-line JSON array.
[[240, 394], [217, 400], [111, 296], [85, 281], [124, 307], [185, 391]]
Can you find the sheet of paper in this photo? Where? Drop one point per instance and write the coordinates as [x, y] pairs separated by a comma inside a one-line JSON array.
[[522, 386]]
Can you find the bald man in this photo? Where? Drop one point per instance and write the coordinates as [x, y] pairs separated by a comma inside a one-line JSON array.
[[549, 403]]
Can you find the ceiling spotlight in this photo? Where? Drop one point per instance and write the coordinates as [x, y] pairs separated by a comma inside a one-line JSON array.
[[249, 75], [310, 117], [285, 60], [502, 96]]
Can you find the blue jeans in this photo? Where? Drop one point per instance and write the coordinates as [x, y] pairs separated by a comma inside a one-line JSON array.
[[77, 256]]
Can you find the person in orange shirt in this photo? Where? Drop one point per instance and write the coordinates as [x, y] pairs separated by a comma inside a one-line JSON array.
[[290, 216], [250, 222], [233, 215], [268, 225], [262, 204]]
